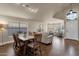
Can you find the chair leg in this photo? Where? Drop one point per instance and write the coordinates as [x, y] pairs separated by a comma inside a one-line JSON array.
[[40, 51]]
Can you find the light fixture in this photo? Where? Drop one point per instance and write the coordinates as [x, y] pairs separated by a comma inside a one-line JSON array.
[[30, 8], [2, 25], [33, 10], [71, 15], [2, 28]]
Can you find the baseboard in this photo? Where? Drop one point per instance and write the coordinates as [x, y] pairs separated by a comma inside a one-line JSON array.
[[6, 43], [72, 39]]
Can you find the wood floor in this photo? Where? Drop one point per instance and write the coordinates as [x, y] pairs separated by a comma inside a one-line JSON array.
[[59, 47]]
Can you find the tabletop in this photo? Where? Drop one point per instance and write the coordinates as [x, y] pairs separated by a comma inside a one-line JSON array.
[[26, 38]]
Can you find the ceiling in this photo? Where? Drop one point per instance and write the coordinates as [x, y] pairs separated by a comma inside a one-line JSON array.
[[45, 10]]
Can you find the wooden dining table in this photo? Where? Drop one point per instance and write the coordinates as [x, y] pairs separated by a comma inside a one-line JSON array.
[[25, 41]]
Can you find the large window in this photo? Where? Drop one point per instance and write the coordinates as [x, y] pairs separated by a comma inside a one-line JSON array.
[[14, 27], [56, 28]]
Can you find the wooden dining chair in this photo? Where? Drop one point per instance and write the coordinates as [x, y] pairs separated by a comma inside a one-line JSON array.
[[35, 47], [18, 46]]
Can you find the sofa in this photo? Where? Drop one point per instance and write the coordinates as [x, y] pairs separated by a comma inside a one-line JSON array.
[[46, 38]]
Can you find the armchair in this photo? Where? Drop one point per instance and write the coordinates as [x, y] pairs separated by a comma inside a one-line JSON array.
[[46, 38]]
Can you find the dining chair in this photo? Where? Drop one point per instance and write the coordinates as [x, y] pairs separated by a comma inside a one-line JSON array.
[[35, 46], [18, 45]]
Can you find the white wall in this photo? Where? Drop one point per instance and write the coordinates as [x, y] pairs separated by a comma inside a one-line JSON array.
[[33, 26]]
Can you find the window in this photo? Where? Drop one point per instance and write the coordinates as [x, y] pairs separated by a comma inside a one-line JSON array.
[[71, 15], [14, 27]]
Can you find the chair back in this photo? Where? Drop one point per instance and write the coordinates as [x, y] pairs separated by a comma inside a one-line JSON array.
[[38, 37], [17, 45], [35, 45], [16, 40]]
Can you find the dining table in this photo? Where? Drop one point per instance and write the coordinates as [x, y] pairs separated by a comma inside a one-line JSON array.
[[25, 41]]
